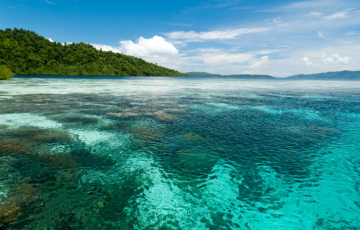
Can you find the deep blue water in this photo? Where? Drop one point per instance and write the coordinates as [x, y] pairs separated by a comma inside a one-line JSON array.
[[175, 153]]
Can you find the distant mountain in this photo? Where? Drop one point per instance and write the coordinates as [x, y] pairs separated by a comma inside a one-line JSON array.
[[204, 74], [25, 52], [329, 75]]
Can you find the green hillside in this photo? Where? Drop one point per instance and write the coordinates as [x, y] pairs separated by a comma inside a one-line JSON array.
[[25, 52], [204, 74], [329, 75]]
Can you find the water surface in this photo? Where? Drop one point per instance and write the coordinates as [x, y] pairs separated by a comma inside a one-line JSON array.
[[179, 153]]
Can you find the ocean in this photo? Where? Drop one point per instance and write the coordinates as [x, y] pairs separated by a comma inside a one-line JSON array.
[[179, 153]]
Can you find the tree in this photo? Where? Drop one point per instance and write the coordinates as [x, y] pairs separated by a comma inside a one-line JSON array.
[[5, 73], [25, 52]]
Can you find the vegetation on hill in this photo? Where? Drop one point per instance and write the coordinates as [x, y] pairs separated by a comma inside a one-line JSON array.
[[204, 74], [5, 73], [25, 52], [329, 75]]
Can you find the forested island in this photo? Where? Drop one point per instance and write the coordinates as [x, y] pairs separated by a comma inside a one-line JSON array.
[[329, 75], [25, 52], [204, 74]]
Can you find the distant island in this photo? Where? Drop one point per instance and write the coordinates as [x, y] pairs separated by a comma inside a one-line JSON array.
[[329, 75], [204, 74], [24, 52]]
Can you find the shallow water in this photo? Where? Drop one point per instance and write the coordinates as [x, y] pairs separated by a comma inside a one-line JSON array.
[[179, 153]]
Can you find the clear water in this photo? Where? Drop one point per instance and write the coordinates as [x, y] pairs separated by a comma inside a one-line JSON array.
[[179, 153]]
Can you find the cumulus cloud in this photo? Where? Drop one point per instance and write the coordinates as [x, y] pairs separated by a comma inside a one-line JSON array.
[[307, 61], [50, 39], [193, 36], [152, 47], [156, 46]]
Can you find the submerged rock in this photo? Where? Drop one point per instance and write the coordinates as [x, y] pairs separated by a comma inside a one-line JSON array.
[[13, 208], [52, 137], [126, 113], [145, 133], [59, 161], [165, 117], [9, 212], [12, 146], [191, 137]]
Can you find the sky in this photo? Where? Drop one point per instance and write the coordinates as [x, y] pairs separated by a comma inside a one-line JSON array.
[[278, 37]]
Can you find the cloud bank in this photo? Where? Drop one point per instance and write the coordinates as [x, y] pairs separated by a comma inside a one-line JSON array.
[[334, 59]]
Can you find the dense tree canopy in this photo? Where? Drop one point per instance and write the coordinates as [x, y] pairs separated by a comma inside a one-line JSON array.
[[5, 73], [25, 52]]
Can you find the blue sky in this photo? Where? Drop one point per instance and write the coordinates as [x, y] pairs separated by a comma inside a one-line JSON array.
[[277, 37]]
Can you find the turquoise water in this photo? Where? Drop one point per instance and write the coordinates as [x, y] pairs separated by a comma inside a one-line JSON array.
[[179, 153]]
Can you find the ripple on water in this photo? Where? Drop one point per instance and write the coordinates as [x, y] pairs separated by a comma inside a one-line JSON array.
[[246, 155], [22, 119]]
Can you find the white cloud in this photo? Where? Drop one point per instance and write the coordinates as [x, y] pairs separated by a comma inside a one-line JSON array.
[[301, 5], [193, 36], [263, 62], [307, 61], [342, 14], [335, 59], [152, 47], [314, 14], [67, 43], [226, 58], [156, 46], [352, 33], [50, 2], [50, 39], [204, 50], [320, 34], [277, 20], [269, 51], [345, 43], [106, 48]]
